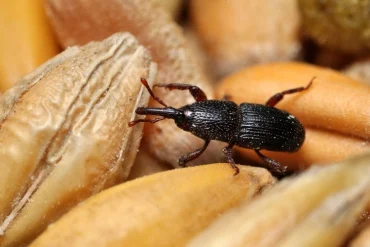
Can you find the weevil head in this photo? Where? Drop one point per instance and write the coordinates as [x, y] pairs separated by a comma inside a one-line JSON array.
[[185, 119]]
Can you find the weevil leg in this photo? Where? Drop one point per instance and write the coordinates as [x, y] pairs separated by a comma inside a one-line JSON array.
[[275, 166], [193, 155], [195, 91], [279, 96], [228, 153], [154, 120], [146, 85]]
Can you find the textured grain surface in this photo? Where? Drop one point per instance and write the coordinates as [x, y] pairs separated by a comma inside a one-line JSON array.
[[319, 207], [64, 133], [171, 6], [239, 33], [165, 209]]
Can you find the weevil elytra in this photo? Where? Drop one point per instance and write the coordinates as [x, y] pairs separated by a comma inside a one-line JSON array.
[[252, 126]]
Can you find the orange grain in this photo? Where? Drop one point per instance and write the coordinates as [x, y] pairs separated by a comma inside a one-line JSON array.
[[335, 110]]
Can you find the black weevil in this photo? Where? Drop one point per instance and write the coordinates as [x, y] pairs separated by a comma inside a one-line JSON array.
[[252, 126]]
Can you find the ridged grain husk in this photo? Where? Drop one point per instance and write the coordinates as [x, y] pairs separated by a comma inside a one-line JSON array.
[[64, 134], [164, 209]]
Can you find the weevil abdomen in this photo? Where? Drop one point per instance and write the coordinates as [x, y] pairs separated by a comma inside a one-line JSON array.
[[268, 128]]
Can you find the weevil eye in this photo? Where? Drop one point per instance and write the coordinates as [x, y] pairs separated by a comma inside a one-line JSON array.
[[182, 120]]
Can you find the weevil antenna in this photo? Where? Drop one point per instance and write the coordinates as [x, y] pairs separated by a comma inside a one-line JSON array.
[[310, 83], [154, 120]]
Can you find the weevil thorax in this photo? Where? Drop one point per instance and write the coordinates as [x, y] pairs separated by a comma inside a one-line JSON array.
[[211, 119]]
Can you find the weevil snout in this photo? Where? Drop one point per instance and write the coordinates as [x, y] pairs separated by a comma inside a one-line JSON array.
[[167, 112]]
